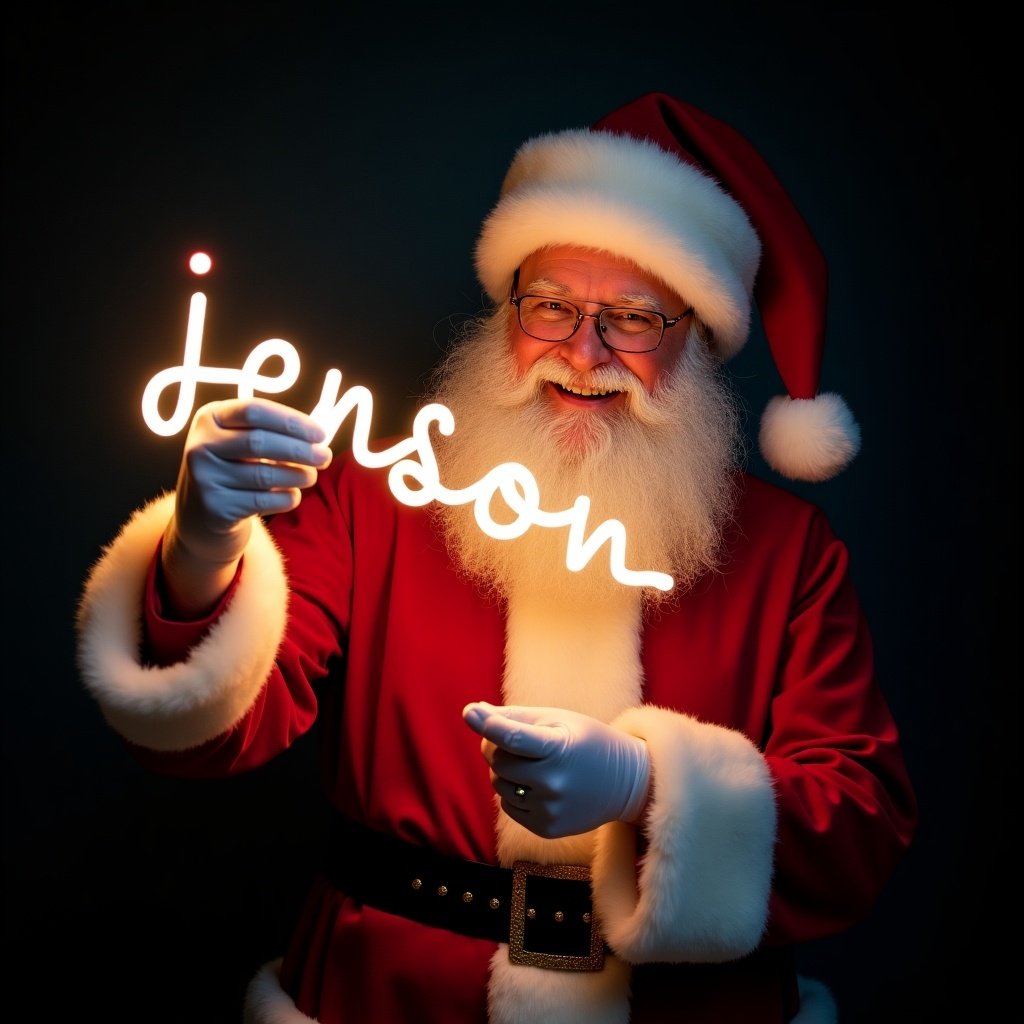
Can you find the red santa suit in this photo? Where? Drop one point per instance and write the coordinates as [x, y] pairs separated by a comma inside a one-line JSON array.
[[780, 802]]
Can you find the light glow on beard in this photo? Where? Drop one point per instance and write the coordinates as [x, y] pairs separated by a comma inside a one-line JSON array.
[[660, 463]]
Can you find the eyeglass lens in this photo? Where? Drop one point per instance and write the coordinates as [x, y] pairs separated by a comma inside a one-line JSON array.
[[621, 327]]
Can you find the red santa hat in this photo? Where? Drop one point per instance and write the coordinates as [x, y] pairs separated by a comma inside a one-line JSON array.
[[688, 199]]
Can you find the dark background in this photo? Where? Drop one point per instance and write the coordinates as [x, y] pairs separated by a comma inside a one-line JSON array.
[[338, 165]]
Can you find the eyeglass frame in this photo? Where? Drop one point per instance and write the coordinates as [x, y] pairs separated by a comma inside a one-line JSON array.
[[666, 322]]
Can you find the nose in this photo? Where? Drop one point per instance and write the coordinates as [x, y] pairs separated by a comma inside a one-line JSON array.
[[585, 349]]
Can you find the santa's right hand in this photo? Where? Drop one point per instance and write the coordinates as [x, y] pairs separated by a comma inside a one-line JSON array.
[[242, 457]]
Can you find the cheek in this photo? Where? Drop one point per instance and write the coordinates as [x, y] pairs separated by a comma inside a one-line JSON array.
[[659, 363], [646, 367], [526, 351]]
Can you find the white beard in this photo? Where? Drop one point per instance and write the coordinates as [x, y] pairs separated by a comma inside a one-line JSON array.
[[661, 464]]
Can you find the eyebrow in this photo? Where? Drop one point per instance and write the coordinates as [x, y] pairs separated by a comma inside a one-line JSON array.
[[545, 284]]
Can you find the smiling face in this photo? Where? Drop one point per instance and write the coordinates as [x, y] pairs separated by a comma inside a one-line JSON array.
[[654, 448], [582, 372]]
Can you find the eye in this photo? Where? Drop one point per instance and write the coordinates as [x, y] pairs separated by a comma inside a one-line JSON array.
[[631, 321], [547, 309]]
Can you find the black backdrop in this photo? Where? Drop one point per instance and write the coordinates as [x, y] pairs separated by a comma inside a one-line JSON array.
[[338, 165]]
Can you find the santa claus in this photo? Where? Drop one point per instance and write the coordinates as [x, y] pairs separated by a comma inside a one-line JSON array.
[[557, 798]]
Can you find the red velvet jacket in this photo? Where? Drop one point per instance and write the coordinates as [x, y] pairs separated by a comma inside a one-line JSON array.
[[768, 732]]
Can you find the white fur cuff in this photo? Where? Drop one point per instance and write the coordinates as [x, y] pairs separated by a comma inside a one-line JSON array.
[[267, 1003], [703, 886], [185, 704]]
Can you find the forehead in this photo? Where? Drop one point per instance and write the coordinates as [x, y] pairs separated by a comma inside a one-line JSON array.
[[593, 275]]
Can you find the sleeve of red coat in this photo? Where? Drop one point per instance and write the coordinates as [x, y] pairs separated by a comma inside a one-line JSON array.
[[781, 840], [220, 696], [847, 810]]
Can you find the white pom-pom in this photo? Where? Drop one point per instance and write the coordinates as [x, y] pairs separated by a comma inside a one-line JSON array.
[[809, 439]]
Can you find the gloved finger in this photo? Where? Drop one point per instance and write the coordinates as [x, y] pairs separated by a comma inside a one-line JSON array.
[[518, 737], [481, 709], [511, 769], [208, 468], [260, 446], [255, 445], [487, 749], [531, 814], [528, 771], [232, 505], [514, 793], [275, 417], [224, 493]]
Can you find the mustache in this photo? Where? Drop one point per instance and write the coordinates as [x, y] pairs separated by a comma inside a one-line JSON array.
[[552, 370], [657, 409]]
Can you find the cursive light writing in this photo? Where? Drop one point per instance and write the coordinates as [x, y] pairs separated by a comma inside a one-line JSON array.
[[414, 478]]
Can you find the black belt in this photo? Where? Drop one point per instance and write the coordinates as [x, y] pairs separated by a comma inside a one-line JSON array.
[[543, 911]]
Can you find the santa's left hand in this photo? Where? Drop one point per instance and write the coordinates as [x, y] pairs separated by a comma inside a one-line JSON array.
[[576, 771]]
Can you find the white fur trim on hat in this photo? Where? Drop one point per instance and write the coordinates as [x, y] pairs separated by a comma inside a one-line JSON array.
[[629, 197], [701, 894], [809, 439], [183, 705]]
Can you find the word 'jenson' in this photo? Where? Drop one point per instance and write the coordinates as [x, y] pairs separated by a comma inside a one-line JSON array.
[[513, 481]]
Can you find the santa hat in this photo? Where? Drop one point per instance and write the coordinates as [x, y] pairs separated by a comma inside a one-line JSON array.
[[688, 199]]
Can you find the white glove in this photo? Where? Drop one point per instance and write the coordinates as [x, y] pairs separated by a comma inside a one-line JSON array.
[[577, 772], [242, 457]]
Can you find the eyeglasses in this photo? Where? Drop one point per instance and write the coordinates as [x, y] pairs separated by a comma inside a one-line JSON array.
[[623, 328]]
